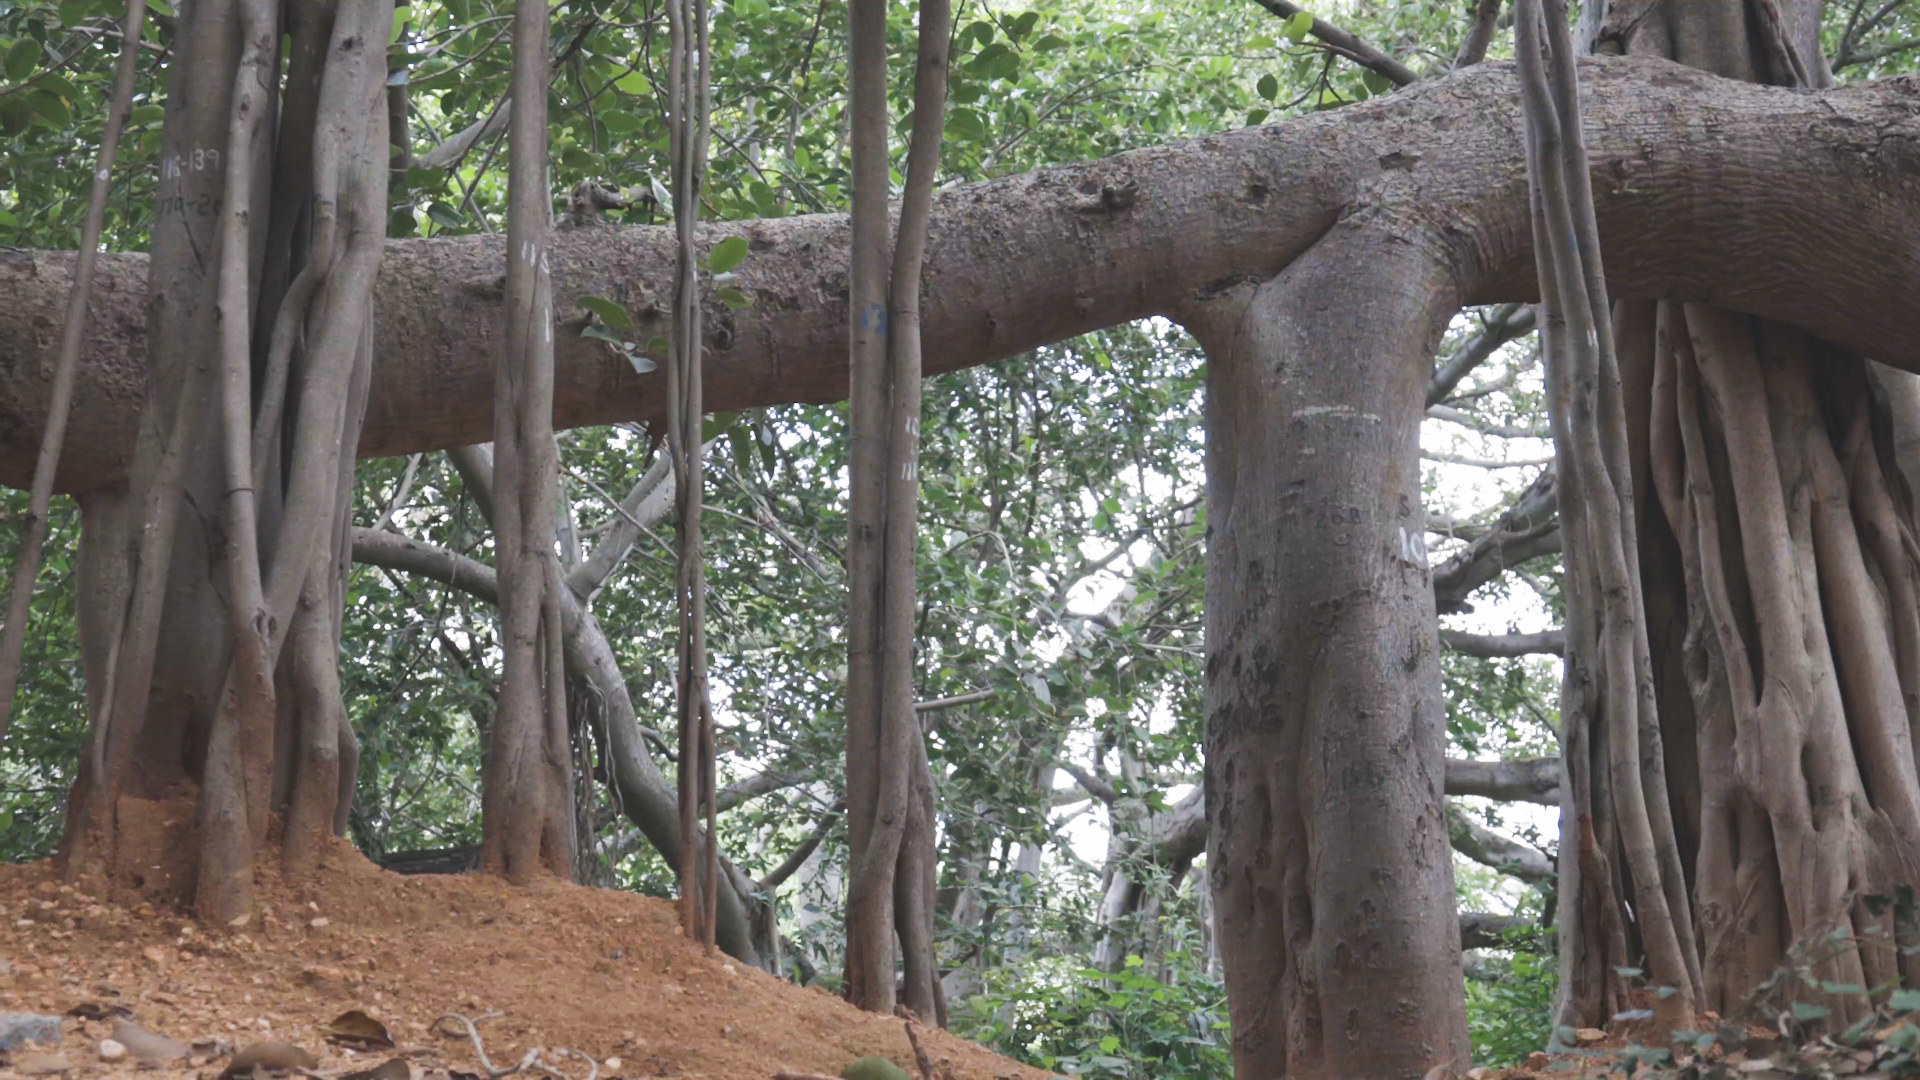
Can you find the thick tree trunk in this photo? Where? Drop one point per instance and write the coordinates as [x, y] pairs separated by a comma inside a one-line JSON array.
[[1023, 261], [1778, 546], [1325, 734], [199, 747]]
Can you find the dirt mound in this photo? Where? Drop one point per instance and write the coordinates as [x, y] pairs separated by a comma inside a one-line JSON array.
[[599, 972]]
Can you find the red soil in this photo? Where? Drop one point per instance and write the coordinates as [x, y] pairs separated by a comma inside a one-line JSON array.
[[599, 972]]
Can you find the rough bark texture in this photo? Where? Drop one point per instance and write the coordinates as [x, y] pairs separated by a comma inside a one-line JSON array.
[[1681, 160], [1777, 541], [206, 730], [1325, 732], [527, 802]]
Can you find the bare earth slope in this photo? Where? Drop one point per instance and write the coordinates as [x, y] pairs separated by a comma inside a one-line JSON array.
[[605, 973]]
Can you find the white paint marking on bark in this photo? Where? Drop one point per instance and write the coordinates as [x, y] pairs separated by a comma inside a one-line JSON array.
[[1343, 412]]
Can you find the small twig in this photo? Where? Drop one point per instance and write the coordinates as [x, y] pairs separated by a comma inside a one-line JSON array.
[[919, 1052], [480, 1051]]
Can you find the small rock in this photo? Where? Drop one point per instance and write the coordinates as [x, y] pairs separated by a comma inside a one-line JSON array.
[[111, 1050], [319, 922], [145, 1045], [16, 1028], [155, 955], [38, 1063], [612, 1064], [282, 1057]]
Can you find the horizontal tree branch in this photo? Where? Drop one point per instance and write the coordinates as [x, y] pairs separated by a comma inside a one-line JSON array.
[[1485, 427], [1489, 848], [1552, 642], [1681, 159], [1534, 780]]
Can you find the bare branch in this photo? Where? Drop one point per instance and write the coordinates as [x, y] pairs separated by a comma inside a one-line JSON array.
[[1349, 45], [1504, 323], [1486, 19], [1527, 531], [1489, 848], [1485, 427], [1483, 463], [1505, 645], [954, 702], [799, 856], [761, 783], [1094, 785], [1535, 780], [1481, 930]]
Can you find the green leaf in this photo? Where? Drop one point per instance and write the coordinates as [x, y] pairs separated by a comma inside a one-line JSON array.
[[160, 6], [1023, 25], [1268, 86], [641, 365], [1376, 83], [727, 254], [1050, 42], [147, 114], [1805, 1010], [734, 298], [420, 178], [7, 218], [967, 125], [1109, 1044], [445, 216], [401, 16], [1298, 27], [633, 82], [73, 12], [620, 123], [601, 333], [48, 104], [22, 59], [1842, 988], [610, 313], [15, 115], [984, 60], [1256, 117], [1904, 1001]]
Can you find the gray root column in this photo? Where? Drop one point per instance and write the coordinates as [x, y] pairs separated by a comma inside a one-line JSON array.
[[1325, 730]]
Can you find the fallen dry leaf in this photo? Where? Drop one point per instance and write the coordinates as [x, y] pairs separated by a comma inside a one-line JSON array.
[[356, 1029], [391, 1069]]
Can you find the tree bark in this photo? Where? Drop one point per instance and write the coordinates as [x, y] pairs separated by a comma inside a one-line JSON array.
[[1023, 261], [200, 717], [1325, 734], [527, 802]]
